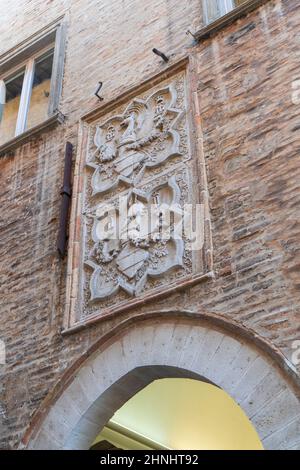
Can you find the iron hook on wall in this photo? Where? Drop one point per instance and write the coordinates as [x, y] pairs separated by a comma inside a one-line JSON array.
[[97, 91], [160, 54]]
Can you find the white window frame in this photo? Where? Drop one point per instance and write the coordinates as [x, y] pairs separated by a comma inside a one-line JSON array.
[[29, 66], [52, 38], [25, 97], [225, 6]]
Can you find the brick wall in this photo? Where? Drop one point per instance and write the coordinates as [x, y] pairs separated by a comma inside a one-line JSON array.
[[251, 142]]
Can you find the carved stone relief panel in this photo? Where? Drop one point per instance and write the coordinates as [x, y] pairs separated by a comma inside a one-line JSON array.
[[136, 176], [143, 137]]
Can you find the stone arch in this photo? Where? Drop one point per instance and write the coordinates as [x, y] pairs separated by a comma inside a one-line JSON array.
[[153, 346]]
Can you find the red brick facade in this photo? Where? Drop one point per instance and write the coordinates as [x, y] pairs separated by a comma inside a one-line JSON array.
[[250, 125]]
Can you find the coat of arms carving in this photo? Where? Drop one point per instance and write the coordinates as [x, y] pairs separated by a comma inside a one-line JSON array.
[[135, 176], [130, 247], [144, 136]]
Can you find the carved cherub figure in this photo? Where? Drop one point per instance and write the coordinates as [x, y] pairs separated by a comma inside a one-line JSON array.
[[159, 112], [138, 224], [104, 141], [109, 244]]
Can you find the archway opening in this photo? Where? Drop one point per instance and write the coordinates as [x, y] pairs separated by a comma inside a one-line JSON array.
[[179, 414], [125, 362]]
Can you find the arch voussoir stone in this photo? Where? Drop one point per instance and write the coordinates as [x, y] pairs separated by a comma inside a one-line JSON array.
[[171, 347]]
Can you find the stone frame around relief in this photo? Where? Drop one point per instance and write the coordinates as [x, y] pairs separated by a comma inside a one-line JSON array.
[[180, 167]]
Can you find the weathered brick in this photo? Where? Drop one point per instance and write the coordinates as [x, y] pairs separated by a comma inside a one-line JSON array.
[[251, 143]]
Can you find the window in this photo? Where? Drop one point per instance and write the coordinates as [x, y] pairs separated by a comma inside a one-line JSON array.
[[214, 9], [30, 83]]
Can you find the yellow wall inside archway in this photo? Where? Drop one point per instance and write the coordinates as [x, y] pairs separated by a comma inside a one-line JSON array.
[[183, 414]]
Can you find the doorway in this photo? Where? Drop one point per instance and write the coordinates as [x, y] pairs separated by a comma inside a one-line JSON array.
[[179, 414], [136, 355]]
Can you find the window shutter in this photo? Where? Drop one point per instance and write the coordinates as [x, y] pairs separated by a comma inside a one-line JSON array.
[[2, 97]]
